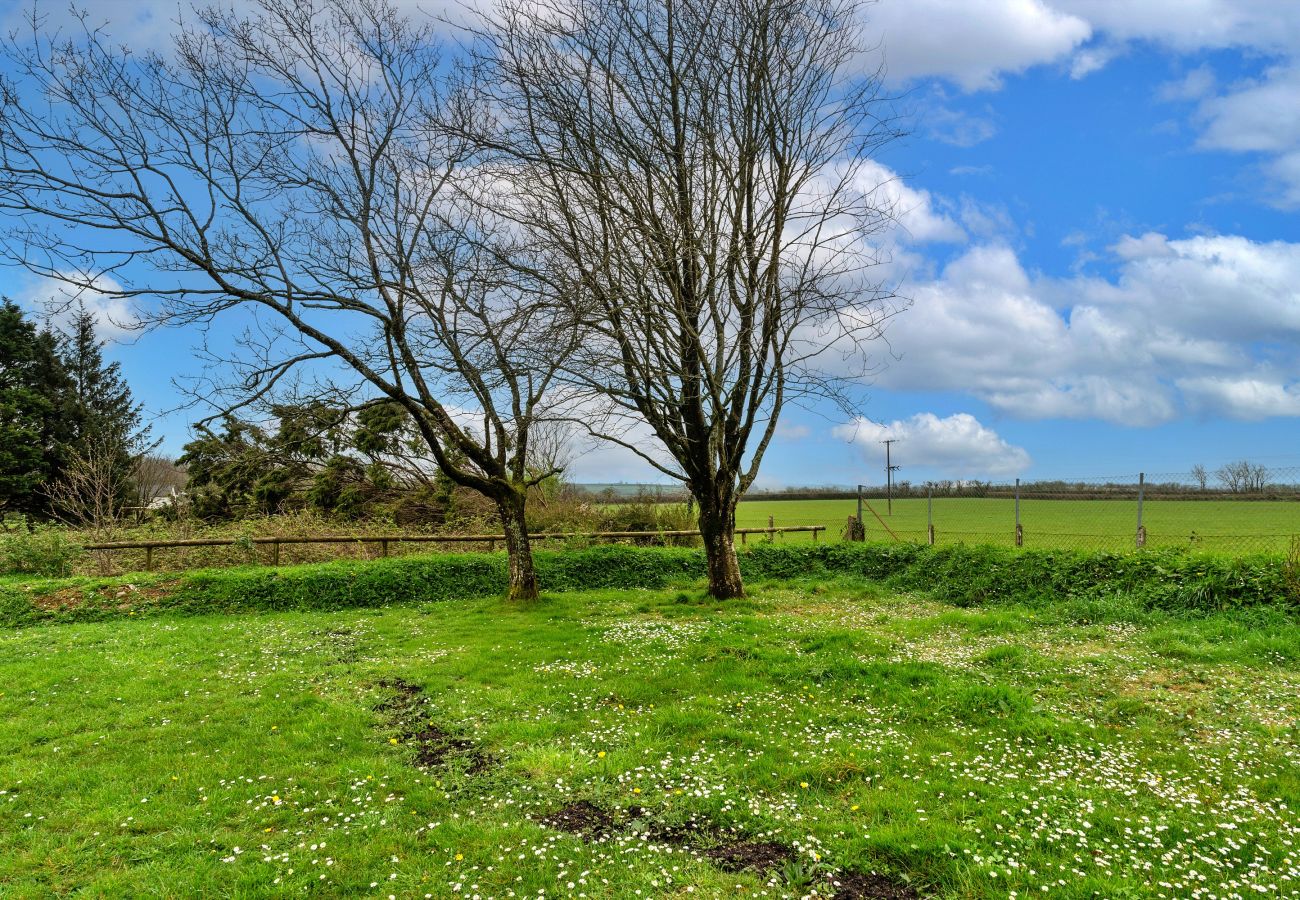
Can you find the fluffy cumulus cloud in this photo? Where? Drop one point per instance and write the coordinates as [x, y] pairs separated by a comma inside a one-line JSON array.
[[1260, 116], [916, 213], [57, 301], [1204, 325], [957, 446], [972, 44], [1191, 25]]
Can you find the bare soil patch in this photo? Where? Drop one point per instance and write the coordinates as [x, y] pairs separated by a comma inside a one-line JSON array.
[[435, 745], [851, 885]]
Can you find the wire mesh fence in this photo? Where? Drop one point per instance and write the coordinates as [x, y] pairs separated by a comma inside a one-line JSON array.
[[1239, 509]]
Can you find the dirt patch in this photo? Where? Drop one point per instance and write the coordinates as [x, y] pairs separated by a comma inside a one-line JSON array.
[[850, 885], [122, 597], [56, 601], [435, 746], [582, 817], [593, 822], [750, 856]]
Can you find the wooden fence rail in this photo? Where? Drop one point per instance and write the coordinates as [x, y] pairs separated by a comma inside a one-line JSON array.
[[385, 540]]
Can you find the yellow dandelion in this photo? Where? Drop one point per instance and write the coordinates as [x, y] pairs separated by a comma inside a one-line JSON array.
[[803, 784], [600, 755], [459, 857]]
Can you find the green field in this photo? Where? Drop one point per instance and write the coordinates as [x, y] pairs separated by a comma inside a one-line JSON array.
[[1218, 525], [655, 744]]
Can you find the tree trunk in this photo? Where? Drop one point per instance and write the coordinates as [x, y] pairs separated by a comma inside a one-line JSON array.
[[519, 552], [717, 527]]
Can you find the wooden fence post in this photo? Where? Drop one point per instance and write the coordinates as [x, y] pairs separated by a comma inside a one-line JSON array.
[[148, 558], [929, 513], [383, 547], [275, 553], [1019, 532], [1141, 530]]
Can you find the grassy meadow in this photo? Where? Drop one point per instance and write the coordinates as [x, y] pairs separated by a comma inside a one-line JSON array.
[[1216, 525], [817, 739]]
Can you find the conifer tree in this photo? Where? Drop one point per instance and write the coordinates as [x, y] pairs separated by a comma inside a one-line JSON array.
[[105, 410], [37, 414]]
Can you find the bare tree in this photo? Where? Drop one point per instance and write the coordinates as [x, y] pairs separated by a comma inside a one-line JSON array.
[[90, 494], [1201, 476], [1242, 476], [1257, 478], [154, 477], [299, 165], [701, 168]]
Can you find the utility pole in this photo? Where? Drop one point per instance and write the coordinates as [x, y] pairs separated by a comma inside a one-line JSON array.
[[889, 478]]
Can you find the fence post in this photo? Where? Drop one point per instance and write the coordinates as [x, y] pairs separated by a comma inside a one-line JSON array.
[[383, 547], [1020, 532], [275, 553], [771, 529], [1141, 529], [929, 513], [148, 559]]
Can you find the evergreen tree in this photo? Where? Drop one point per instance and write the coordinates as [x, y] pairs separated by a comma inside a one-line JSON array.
[[37, 415], [105, 409]]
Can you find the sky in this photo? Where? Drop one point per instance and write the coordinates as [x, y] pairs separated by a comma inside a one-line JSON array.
[[1097, 238]]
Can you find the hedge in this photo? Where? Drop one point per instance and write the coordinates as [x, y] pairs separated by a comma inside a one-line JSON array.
[[960, 575]]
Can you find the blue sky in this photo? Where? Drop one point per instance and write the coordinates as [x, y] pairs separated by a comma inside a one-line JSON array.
[[1098, 235]]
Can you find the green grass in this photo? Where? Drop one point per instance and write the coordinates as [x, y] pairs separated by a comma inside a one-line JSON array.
[[1093, 748], [1214, 525]]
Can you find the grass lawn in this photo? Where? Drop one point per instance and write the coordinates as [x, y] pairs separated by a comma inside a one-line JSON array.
[[1219, 525], [655, 744]]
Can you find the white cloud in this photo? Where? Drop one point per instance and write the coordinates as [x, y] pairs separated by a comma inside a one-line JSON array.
[[916, 212], [1189, 25], [972, 44], [1093, 59], [958, 445], [1260, 116], [1242, 398], [57, 301], [1195, 85], [1203, 324], [958, 128]]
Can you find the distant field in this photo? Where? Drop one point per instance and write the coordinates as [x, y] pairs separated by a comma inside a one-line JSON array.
[[1223, 525]]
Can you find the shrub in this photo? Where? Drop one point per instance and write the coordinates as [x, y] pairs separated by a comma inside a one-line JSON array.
[[963, 576], [46, 550]]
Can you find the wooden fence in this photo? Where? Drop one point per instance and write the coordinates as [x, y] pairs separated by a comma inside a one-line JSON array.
[[385, 541]]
